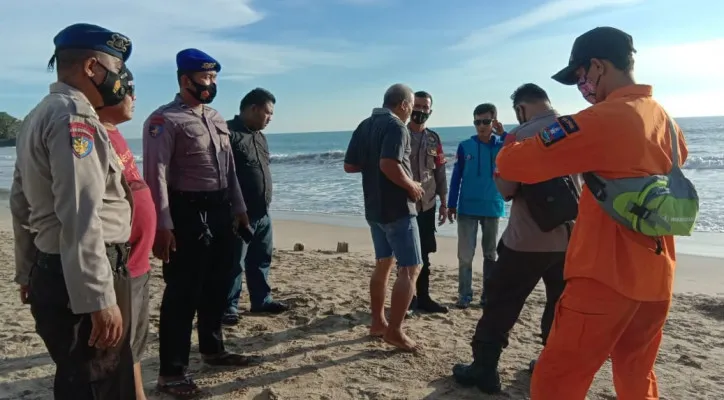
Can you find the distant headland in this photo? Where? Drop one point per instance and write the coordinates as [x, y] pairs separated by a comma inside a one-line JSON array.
[[9, 126]]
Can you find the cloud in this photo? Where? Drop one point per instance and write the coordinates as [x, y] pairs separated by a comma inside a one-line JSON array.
[[702, 59], [158, 31], [541, 15]]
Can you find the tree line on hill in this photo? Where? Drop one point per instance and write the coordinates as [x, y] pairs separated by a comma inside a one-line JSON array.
[[9, 126]]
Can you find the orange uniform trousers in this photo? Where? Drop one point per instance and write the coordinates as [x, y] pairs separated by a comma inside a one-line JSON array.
[[594, 322]]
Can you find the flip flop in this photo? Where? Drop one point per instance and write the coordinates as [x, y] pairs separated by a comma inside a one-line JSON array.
[[228, 359], [183, 389]]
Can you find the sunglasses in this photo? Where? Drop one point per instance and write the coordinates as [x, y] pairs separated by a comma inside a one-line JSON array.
[[128, 89], [486, 121]]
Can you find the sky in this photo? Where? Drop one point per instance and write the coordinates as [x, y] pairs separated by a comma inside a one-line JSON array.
[[328, 62]]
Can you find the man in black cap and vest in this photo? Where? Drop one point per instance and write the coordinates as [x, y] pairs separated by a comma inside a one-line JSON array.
[[189, 168], [71, 211]]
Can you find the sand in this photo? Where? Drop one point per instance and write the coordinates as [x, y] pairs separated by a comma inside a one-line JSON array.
[[320, 349]]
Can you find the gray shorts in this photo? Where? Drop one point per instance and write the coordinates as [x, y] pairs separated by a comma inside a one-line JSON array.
[[139, 319]]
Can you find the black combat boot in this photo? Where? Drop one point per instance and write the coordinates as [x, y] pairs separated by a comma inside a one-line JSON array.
[[423, 301], [483, 372]]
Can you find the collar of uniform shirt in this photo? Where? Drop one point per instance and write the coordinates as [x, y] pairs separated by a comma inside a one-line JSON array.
[[635, 90], [241, 126], [545, 114], [542, 115], [382, 110], [64, 88]]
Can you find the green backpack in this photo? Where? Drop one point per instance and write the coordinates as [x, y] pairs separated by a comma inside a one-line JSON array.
[[656, 205]]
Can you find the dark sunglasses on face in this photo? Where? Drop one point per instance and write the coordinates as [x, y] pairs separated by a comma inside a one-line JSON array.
[[130, 90], [486, 121]]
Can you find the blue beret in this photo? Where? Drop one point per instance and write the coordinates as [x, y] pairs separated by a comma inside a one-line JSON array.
[[93, 37], [193, 60]]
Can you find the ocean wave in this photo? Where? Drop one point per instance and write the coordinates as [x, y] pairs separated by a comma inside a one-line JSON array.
[[332, 156], [327, 157], [335, 156], [324, 157], [706, 162]]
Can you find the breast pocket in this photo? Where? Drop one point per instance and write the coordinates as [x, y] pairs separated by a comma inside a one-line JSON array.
[[224, 135], [116, 186], [248, 154], [196, 138], [264, 155], [431, 158]]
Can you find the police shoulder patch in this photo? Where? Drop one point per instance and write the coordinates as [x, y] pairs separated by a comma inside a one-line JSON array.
[[155, 125], [559, 130], [81, 138], [568, 124]]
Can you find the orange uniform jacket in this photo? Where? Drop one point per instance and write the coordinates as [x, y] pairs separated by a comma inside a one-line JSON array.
[[626, 135]]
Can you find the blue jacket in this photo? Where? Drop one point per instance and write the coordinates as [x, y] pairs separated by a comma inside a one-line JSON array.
[[472, 178]]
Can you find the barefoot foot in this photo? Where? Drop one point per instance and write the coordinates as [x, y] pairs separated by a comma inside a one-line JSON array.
[[401, 341], [378, 329]]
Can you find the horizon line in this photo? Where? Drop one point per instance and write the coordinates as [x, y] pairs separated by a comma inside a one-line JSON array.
[[445, 127]]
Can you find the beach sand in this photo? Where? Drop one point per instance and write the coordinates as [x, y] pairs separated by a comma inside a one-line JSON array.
[[320, 349]]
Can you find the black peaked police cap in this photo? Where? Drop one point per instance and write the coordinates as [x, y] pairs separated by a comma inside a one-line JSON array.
[[604, 43]]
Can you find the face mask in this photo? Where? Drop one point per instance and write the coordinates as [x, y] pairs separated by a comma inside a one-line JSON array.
[[204, 93], [520, 114], [111, 90], [588, 88], [419, 117]]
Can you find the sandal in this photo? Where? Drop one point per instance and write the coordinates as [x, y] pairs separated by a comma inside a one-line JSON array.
[[227, 359], [180, 389]]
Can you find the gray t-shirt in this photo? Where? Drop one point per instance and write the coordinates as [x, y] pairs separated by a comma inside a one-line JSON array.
[[382, 135]]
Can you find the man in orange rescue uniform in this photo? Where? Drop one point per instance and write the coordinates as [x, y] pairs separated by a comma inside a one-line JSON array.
[[618, 288]]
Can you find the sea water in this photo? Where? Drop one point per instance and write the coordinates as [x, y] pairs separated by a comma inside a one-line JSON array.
[[308, 176]]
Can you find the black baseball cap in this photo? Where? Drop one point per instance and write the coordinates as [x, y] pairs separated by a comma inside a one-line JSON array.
[[604, 42]]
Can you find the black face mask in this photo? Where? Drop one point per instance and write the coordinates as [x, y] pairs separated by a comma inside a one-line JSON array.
[[204, 93], [111, 89], [520, 114], [419, 117]]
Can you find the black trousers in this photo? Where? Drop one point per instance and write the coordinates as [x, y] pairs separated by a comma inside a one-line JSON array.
[[82, 372], [196, 277], [426, 223], [511, 282]]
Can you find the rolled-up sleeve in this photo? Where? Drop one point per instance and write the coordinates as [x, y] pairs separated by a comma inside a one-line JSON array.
[[158, 145], [79, 162]]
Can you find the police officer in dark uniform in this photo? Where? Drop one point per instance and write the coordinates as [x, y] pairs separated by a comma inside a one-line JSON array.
[[71, 211], [189, 168], [428, 162]]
